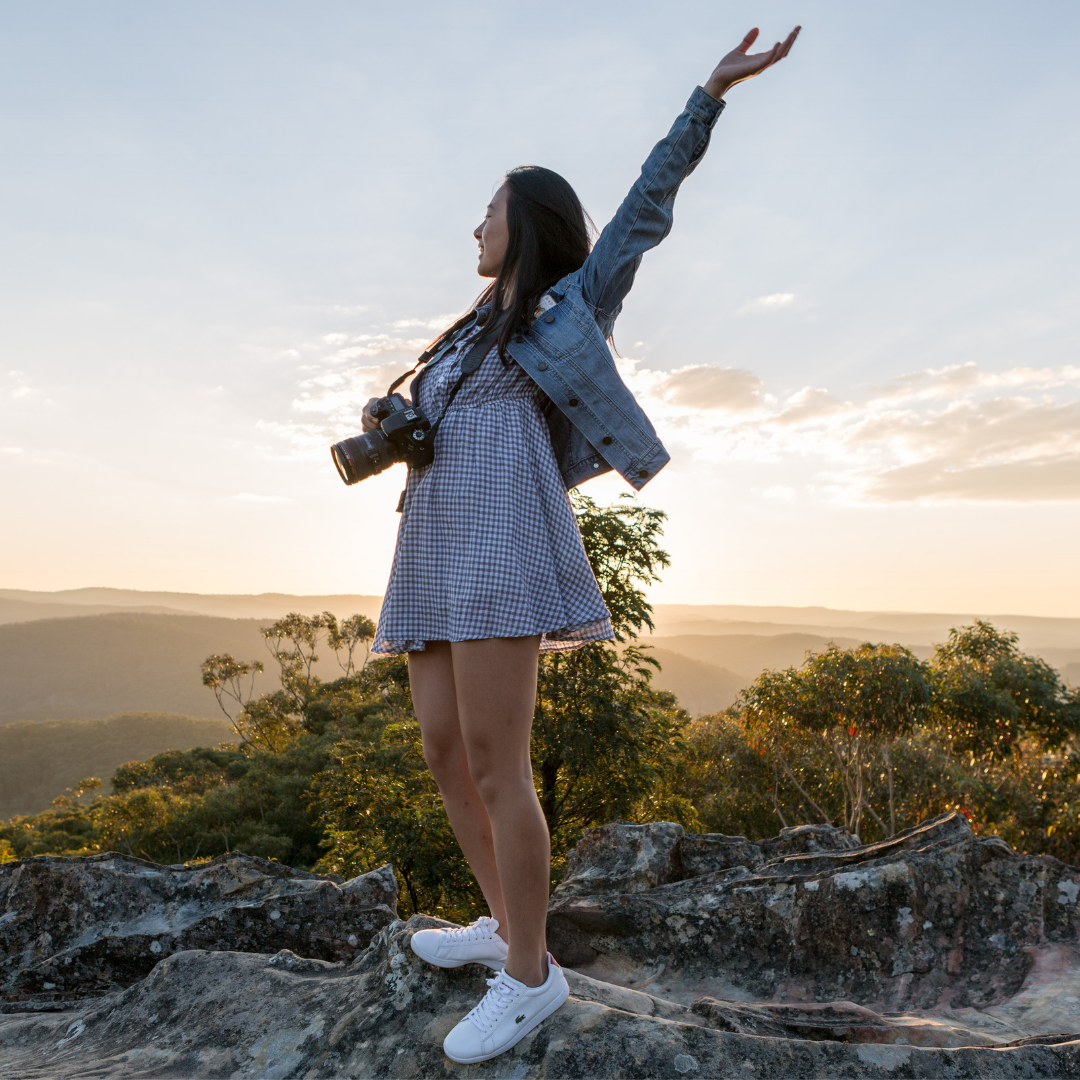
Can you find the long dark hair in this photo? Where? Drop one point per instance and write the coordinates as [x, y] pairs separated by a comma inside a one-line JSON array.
[[549, 238]]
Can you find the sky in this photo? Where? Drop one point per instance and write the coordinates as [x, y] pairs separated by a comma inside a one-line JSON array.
[[224, 225]]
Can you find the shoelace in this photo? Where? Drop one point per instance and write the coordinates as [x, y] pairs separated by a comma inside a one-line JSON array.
[[479, 929], [493, 1004]]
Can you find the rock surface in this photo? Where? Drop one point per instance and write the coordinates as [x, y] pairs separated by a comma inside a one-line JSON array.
[[76, 926], [698, 956], [933, 918], [211, 1014]]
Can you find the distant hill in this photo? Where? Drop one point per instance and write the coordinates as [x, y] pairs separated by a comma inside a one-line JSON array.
[[1037, 633], [700, 687], [22, 605], [106, 659], [749, 654], [98, 665], [40, 760]]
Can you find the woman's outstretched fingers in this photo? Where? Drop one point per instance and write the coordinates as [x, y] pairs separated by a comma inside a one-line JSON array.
[[748, 41], [740, 65]]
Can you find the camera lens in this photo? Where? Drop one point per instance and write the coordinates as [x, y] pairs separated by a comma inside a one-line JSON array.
[[362, 456]]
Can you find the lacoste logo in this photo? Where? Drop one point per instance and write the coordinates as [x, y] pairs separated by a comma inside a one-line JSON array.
[[518, 1019]]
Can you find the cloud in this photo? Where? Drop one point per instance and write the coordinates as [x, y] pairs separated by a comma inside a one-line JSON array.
[[434, 324], [16, 385], [948, 382], [958, 433], [705, 387], [809, 404], [1053, 479], [953, 434], [772, 302]]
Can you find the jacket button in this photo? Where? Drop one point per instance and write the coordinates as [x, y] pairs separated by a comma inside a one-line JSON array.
[[518, 339], [572, 402], [643, 473], [549, 318], [606, 440], [542, 366]]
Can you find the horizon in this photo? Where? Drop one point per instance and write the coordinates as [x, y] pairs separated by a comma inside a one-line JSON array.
[[227, 226], [15, 593]]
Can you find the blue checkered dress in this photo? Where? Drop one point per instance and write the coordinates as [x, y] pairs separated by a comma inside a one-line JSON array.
[[488, 546]]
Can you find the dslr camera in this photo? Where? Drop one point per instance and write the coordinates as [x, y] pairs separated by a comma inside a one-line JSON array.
[[404, 434]]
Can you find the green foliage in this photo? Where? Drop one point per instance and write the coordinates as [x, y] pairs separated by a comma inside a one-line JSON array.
[[983, 728], [380, 804], [857, 701], [621, 542], [736, 790], [603, 742], [990, 697]]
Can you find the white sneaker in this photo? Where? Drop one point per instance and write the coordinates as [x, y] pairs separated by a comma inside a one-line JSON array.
[[505, 1015], [476, 943]]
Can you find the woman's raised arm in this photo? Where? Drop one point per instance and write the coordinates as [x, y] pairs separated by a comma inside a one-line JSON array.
[[645, 216]]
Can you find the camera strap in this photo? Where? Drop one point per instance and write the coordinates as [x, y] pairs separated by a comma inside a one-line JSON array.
[[469, 363]]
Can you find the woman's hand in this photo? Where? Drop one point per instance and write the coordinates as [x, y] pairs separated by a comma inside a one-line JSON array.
[[367, 421], [737, 66]]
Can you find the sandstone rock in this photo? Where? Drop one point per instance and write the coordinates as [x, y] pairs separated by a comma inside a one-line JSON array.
[[932, 918], [934, 954], [76, 926], [214, 1014], [625, 858]]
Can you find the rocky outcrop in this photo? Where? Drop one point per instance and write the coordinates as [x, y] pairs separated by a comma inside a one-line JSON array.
[[625, 858], [76, 926], [932, 918], [210, 1014], [935, 954]]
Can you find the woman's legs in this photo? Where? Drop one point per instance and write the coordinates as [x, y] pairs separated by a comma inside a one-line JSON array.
[[431, 678], [475, 702], [496, 697]]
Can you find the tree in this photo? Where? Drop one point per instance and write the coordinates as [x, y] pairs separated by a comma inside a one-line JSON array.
[[989, 696], [271, 721], [602, 736], [858, 701], [622, 545]]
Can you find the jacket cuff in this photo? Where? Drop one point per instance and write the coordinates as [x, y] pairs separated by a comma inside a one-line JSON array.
[[704, 106]]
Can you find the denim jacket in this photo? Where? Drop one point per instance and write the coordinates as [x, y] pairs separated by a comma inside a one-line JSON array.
[[595, 422]]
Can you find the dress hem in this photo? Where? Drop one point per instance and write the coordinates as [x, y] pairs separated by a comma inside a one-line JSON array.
[[563, 639]]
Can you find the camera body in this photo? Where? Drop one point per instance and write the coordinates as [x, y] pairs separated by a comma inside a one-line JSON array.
[[403, 435]]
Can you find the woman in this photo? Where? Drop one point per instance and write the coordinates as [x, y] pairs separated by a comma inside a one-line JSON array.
[[489, 568]]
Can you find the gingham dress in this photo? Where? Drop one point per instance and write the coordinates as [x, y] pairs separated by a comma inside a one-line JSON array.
[[488, 546]]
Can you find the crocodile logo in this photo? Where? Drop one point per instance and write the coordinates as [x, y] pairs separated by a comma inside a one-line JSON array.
[[517, 1020]]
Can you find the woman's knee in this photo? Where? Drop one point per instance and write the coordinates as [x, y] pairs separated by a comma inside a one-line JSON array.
[[496, 779], [445, 756]]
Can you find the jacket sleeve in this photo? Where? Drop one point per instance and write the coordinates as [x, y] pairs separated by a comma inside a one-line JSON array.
[[645, 216]]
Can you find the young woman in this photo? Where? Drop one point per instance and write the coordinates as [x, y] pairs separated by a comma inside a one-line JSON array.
[[489, 568]]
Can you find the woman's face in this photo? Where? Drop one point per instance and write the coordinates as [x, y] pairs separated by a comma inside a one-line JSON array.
[[493, 235]]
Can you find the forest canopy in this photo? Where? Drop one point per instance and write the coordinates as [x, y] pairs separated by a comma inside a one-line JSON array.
[[328, 773]]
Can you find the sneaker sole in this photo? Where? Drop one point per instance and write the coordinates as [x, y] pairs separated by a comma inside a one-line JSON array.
[[438, 962], [519, 1035]]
